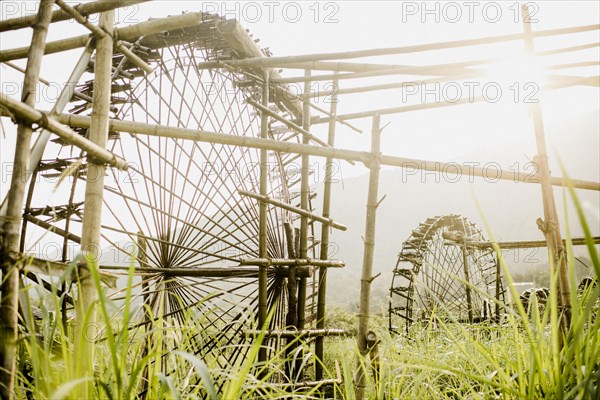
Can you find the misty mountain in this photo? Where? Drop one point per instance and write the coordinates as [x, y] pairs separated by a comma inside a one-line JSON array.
[[510, 208]]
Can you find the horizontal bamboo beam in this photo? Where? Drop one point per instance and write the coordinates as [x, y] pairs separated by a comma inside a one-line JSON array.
[[295, 334], [295, 210], [60, 15], [282, 61], [203, 272], [528, 244], [248, 271], [100, 33], [366, 67], [317, 151], [557, 82], [267, 262], [58, 269], [33, 116], [128, 33], [288, 123], [450, 70]]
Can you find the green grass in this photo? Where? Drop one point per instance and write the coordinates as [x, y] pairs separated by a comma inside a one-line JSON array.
[[524, 357]]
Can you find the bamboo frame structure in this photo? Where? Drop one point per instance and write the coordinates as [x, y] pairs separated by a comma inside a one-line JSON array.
[[85, 10], [127, 33], [163, 260], [551, 230], [9, 245], [324, 253], [274, 62], [66, 94], [369, 250], [300, 211], [298, 148]]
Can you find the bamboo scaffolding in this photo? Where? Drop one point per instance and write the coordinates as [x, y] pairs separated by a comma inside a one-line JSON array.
[[561, 82], [9, 243], [550, 227], [448, 70], [68, 91], [324, 253], [300, 211], [262, 224], [365, 67], [336, 153], [100, 33], [237, 37], [94, 191], [282, 61], [289, 123], [33, 116], [128, 33], [369, 249], [60, 15]]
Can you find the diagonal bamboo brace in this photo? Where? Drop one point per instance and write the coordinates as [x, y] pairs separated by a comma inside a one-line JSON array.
[[33, 116], [296, 210]]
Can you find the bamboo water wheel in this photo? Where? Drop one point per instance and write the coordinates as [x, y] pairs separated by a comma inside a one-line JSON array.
[[439, 275], [177, 213]]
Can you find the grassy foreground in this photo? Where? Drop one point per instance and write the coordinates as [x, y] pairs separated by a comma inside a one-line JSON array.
[[523, 357]]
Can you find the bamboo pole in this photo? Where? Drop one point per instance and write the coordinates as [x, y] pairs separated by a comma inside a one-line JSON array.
[[559, 82], [318, 151], [295, 334], [448, 70], [465, 258], [33, 116], [238, 39], [262, 224], [528, 244], [128, 33], [275, 62], [293, 262], [142, 257], [304, 203], [60, 15], [324, 253], [94, 190], [550, 227], [367, 270], [99, 33], [9, 250], [68, 91], [300, 211]]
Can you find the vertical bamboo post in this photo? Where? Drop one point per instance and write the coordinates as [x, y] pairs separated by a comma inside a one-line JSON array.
[[369, 249], [94, 190], [142, 256], [324, 253], [497, 308], [550, 227], [304, 201], [9, 252], [262, 226], [467, 280]]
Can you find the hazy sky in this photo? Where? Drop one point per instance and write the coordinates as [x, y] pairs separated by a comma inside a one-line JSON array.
[[289, 28]]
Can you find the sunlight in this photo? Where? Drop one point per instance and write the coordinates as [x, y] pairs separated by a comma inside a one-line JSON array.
[[521, 69]]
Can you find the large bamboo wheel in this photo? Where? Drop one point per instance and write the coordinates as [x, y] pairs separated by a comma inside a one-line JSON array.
[[178, 208], [432, 271]]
